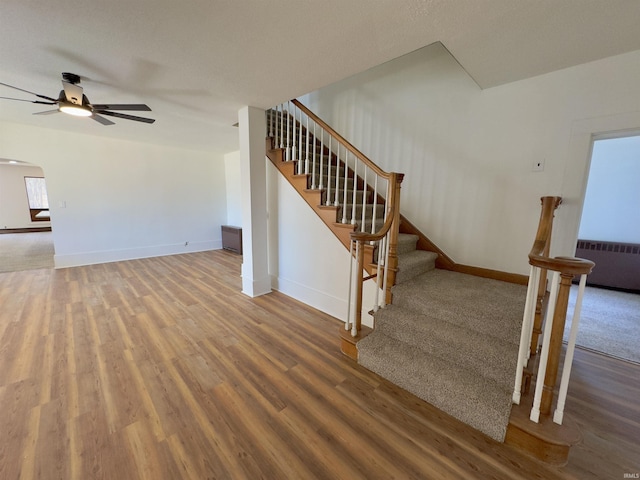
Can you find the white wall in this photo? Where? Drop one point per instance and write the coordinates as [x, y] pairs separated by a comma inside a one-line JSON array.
[[113, 200], [612, 202], [233, 187], [14, 204], [306, 260], [468, 153]]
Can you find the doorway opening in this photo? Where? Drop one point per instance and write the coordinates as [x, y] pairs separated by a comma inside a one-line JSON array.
[[26, 240], [609, 235]]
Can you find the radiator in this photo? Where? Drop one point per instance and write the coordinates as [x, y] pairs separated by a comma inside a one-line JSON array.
[[617, 264], [232, 238]]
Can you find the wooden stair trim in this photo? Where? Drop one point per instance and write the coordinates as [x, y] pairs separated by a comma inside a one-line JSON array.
[[444, 262], [545, 441], [348, 344]]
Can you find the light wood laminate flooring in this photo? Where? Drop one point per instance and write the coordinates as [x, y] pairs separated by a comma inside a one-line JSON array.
[[161, 368]]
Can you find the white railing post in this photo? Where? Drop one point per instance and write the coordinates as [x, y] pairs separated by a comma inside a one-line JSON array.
[[306, 157], [364, 199], [374, 204], [288, 151], [347, 325], [313, 167], [379, 272], [544, 355], [354, 327], [300, 142], [568, 358], [321, 172], [527, 326], [294, 152], [355, 190], [344, 187], [336, 201], [282, 126], [329, 165]]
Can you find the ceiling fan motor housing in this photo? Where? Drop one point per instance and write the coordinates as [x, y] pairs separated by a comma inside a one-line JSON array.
[[71, 77]]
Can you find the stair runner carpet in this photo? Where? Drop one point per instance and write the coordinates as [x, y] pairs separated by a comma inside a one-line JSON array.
[[450, 339]]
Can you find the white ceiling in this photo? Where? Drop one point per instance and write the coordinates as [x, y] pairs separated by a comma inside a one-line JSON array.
[[196, 62]]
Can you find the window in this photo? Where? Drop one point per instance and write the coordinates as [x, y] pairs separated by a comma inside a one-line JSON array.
[[38, 199]]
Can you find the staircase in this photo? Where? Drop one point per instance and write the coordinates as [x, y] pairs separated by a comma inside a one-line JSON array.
[[450, 339], [453, 334]]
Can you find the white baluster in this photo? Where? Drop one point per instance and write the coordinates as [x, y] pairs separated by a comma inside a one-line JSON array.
[[320, 173], [268, 119], [288, 151], [328, 195], [306, 157], [527, 326], [544, 355], [336, 200], [282, 126], [313, 168], [381, 247], [386, 270], [300, 142], [344, 187], [355, 190], [276, 143], [364, 199], [294, 152], [568, 357], [375, 204]]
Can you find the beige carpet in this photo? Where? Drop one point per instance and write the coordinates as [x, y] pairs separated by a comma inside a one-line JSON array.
[[609, 322], [26, 251], [452, 340]]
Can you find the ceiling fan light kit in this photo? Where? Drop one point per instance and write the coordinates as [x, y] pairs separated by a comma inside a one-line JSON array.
[[76, 110], [73, 102]]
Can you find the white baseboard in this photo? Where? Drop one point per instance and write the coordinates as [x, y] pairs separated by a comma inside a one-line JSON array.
[[107, 256], [334, 306]]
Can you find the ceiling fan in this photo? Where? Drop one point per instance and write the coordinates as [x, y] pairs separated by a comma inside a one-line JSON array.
[[73, 101]]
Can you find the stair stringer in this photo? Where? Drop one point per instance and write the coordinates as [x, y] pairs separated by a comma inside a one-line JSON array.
[[313, 198]]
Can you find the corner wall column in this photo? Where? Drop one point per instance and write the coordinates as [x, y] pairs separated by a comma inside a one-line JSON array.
[[255, 272]]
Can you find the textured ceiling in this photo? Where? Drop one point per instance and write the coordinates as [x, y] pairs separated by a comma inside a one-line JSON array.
[[196, 62]]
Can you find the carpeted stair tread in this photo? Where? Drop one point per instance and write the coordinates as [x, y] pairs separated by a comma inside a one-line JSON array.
[[484, 305], [406, 243], [414, 263], [489, 356], [460, 392]]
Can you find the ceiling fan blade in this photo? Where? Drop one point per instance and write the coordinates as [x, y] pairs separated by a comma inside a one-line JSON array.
[[47, 112], [125, 116], [102, 120], [30, 101], [27, 91], [73, 92], [140, 107]]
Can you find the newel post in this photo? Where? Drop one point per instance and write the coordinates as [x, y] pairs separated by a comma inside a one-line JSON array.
[[392, 263], [550, 204], [555, 342]]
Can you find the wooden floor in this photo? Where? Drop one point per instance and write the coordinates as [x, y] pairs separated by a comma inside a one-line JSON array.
[[161, 369]]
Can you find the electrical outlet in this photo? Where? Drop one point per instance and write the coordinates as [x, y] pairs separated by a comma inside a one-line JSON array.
[[538, 165]]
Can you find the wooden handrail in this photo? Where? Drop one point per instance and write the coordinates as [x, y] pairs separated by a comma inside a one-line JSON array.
[[361, 156], [391, 228], [374, 237], [539, 254], [285, 119]]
